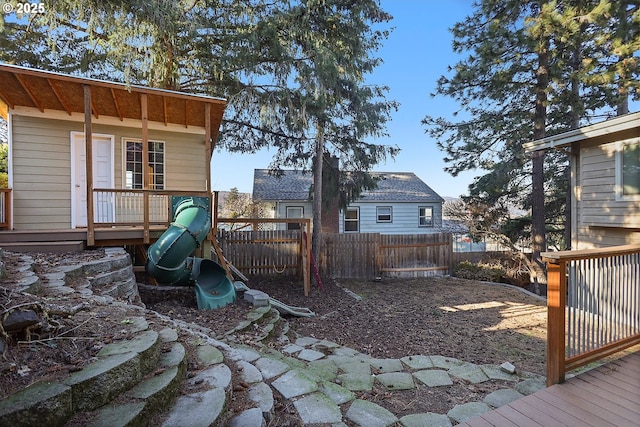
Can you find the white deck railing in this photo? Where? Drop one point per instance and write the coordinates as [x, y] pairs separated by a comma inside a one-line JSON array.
[[114, 208], [5, 208]]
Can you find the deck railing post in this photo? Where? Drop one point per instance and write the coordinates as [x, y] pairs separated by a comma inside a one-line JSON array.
[[146, 209], [7, 210], [5, 223], [556, 306]]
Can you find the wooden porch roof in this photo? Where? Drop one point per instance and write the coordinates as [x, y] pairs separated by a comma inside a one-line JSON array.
[[44, 90]]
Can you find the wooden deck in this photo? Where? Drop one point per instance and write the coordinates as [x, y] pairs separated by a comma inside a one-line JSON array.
[[606, 396], [111, 236]]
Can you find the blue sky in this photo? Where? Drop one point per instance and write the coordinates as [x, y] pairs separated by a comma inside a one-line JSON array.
[[416, 54]]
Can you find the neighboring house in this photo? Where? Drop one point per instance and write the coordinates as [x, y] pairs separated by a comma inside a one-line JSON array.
[[401, 203], [605, 181], [48, 114]]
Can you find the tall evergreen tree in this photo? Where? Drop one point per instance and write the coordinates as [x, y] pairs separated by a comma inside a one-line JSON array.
[[533, 68], [293, 72]]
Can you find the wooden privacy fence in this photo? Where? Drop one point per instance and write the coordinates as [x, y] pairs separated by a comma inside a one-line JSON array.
[[369, 255], [267, 252], [593, 299], [262, 252], [349, 255]]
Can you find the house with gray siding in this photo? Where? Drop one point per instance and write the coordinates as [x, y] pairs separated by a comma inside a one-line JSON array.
[[605, 181], [401, 204]]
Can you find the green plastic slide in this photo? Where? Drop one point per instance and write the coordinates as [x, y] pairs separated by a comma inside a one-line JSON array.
[[170, 263]]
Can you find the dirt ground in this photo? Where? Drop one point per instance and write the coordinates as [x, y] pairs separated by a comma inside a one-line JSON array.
[[472, 321]]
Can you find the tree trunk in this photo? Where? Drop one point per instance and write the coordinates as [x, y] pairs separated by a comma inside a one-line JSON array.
[[538, 232], [577, 111], [622, 106], [317, 194]]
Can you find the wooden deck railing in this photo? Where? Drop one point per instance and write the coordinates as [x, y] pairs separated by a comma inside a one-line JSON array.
[[5, 208], [142, 208], [593, 299]]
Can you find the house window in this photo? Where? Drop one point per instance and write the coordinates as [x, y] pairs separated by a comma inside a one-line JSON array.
[[352, 220], [135, 167], [294, 212], [383, 213], [425, 216], [628, 170]]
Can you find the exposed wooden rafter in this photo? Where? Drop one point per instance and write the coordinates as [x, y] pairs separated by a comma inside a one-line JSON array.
[[165, 111], [93, 108], [115, 102], [186, 118], [33, 98], [60, 97], [49, 91], [6, 98]]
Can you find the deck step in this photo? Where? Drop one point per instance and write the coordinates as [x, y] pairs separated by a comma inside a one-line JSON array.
[[39, 246], [42, 235]]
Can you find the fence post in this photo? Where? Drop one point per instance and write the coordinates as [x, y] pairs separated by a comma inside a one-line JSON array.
[[556, 306], [378, 255], [306, 256], [449, 252]]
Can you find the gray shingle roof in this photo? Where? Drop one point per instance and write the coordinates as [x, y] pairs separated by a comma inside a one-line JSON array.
[[295, 185], [400, 187]]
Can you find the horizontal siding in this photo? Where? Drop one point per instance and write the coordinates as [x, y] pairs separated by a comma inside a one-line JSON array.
[[55, 212], [41, 174], [42, 167], [53, 159], [597, 205], [50, 190], [41, 219], [609, 216], [404, 218], [36, 204], [185, 161], [595, 237]]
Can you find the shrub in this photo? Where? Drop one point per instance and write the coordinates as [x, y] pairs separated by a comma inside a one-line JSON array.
[[479, 271]]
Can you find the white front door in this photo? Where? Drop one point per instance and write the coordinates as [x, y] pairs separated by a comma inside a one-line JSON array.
[[103, 168]]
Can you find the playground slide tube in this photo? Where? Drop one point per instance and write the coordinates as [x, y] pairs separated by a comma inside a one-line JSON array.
[[168, 258]]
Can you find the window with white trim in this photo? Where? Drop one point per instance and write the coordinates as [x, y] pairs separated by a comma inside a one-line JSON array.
[[135, 167], [425, 216], [352, 220], [384, 214], [294, 212], [628, 170]]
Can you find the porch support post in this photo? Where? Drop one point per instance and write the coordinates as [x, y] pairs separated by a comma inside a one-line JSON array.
[[88, 141], [556, 303], [216, 198], [207, 167], [145, 165], [208, 145]]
